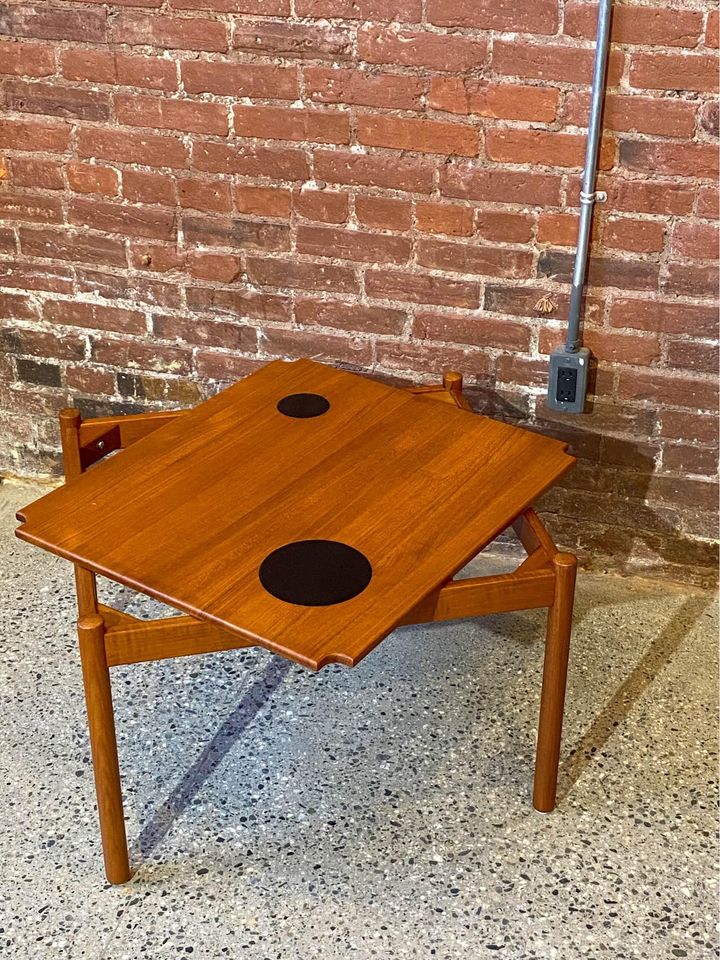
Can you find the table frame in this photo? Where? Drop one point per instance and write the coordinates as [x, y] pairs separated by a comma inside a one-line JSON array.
[[109, 637]]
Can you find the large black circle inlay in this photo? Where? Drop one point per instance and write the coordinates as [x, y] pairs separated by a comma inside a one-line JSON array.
[[315, 573], [303, 405]]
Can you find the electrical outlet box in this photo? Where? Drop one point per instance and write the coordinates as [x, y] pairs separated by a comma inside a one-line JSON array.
[[567, 386]]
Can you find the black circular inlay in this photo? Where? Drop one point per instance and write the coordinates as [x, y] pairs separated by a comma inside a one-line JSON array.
[[315, 573], [303, 405]]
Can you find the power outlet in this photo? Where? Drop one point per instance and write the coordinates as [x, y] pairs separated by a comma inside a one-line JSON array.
[[567, 387]]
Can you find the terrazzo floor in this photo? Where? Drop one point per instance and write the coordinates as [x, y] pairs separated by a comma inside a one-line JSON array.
[[381, 812]]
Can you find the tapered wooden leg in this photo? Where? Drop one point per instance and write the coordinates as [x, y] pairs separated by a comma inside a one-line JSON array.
[[557, 649], [98, 696]]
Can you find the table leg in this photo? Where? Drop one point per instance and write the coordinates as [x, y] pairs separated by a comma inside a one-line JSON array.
[[557, 649], [101, 722]]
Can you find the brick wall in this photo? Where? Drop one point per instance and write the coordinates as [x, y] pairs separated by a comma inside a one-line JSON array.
[[193, 187]]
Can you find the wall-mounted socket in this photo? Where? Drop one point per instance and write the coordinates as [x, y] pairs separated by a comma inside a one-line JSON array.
[[567, 387]]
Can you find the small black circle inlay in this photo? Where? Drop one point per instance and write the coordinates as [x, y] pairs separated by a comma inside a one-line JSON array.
[[303, 405], [315, 573]]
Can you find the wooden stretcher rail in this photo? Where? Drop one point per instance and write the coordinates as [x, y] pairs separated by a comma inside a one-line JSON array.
[[480, 596], [104, 435], [147, 640]]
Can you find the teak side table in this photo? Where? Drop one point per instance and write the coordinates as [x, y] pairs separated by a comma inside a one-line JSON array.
[[306, 510]]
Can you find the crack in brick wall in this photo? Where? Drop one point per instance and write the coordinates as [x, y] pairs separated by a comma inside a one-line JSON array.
[[189, 188]]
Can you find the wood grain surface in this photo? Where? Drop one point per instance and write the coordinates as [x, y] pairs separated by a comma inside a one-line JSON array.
[[188, 513]]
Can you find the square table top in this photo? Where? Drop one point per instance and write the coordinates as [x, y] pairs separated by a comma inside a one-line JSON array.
[[189, 513]]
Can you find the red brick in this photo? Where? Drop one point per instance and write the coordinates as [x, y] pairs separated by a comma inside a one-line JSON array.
[[602, 271], [170, 33], [710, 118], [645, 196], [16, 307], [444, 218], [158, 257], [214, 196], [682, 425], [384, 213], [34, 172], [541, 147], [327, 206], [277, 123], [697, 241], [505, 227], [474, 260], [224, 268], [206, 333], [613, 347], [664, 317], [711, 29], [93, 178], [295, 274], [404, 11], [502, 101], [142, 187], [660, 26], [133, 221], [36, 276], [422, 136], [407, 287], [668, 389], [102, 66], [681, 458], [263, 201], [681, 159], [73, 246], [642, 236], [34, 136], [229, 367], [540, 17], [254, 79], [429, 358], [354, 317], [293, 40], [414, 174], [110, 286], [26, 59], [40, 22], [74, 313], [44, 343], [89, 380], [708, 202], [55, 100], [191, 116], [259, 8], [419, 48], [38, 208], [141, 355], [243, 234], [475, 329], [692, 355], [358, 87], [674, 71], [7, 240], [250, 160], [560, 229], [131, 146], [544, 61], [352, 245], [325, 346], [690, 280], [472, 182], [98, 66], [239, 302], [637, 114]]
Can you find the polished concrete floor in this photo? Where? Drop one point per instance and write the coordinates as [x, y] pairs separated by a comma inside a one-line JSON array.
[[381, 812]]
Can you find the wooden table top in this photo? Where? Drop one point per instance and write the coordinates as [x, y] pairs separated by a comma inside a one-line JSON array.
[[189, 513]]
